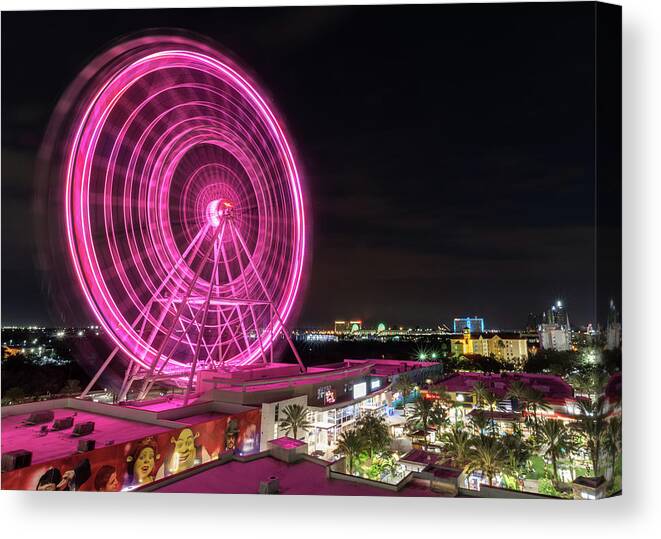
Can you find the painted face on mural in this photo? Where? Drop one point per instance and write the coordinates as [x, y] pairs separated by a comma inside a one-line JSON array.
[[184, 450], [144, 465]]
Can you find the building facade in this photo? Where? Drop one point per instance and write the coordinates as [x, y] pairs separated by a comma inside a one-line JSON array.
[[474, 325], [509, 347]]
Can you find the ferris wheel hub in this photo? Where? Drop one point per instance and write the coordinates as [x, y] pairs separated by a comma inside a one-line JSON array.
[[217, 209]]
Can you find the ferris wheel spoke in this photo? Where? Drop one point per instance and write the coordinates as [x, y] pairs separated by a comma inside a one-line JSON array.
[[245, 287], [180, 309], [201, 331], [196, 244], [237, 306], [268, 297]]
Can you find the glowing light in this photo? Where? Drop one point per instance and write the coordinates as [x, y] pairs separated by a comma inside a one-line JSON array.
[[170, 136], [460, 398]]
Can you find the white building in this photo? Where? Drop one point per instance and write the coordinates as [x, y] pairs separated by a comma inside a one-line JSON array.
[[554, 337]]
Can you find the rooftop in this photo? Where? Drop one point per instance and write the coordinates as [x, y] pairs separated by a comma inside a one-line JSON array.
[[549, 385], [287, 442], [301, 478], [421, 457], [58, 444]]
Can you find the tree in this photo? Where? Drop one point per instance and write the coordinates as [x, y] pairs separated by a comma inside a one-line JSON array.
[[71, 387], [456, 444], [479, 422], [295, 418], [404, 385], [554, 435], [13, 395], [491, 400], [613, 441], [517, 450], [421, 414], [351, 445], [519, 392], [374, 431], [536, 401], [479, 391], [487, 455], [591, 425]]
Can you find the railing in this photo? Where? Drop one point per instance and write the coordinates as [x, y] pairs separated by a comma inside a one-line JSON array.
[[294, 380]]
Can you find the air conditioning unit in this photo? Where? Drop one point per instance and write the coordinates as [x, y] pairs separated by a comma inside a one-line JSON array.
[[270, 486], [44, 416], [62, 423], [83, 429], [86, 445], [12, 460]]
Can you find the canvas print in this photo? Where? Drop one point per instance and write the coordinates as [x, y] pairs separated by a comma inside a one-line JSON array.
[[349, 250]]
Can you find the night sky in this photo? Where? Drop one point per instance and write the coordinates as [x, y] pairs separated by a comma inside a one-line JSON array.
[[448, 151]]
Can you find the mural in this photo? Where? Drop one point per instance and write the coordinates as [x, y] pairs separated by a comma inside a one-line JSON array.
[[136, 463]]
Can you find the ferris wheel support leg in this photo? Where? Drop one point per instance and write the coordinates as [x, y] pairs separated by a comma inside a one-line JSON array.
[[216, 278], [179, 311], [129, 377], [200, 335], [150, 379], [245, 287], [268, 298], [98, 374]]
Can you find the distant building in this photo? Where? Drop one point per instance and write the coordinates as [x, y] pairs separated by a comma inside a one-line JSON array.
[[474, 325], [503, 346], [355, 326], [558, 315], [341, 326], [554, 337]]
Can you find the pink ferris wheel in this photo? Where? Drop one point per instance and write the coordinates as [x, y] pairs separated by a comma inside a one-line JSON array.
[[185, 221]]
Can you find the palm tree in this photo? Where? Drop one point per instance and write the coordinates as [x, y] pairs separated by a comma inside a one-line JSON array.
[[456, 444], [518, 452], [518, 391], [479, 422], [591, 425], [404, 385], [492, 401], [487, 455], [295, 418], [613, 441], [536, 401], [374, 431], [426, 412], [479, 390], [350, 444], [555, 437]]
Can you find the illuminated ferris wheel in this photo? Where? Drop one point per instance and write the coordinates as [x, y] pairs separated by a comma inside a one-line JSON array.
[[184, 211]]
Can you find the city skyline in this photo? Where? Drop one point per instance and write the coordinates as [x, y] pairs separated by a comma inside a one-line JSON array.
[[460, 200]]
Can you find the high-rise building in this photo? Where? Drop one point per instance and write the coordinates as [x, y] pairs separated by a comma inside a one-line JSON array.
[[474, 325], [557, 314], [555, 337]]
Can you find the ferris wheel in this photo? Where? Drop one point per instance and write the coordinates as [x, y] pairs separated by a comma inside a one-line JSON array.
[[183, 209]]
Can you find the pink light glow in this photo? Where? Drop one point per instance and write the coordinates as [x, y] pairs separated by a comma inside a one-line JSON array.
[[170, 138]]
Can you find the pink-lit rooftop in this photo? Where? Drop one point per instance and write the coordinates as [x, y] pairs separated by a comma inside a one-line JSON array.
[[301, 478], [57, 444]]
